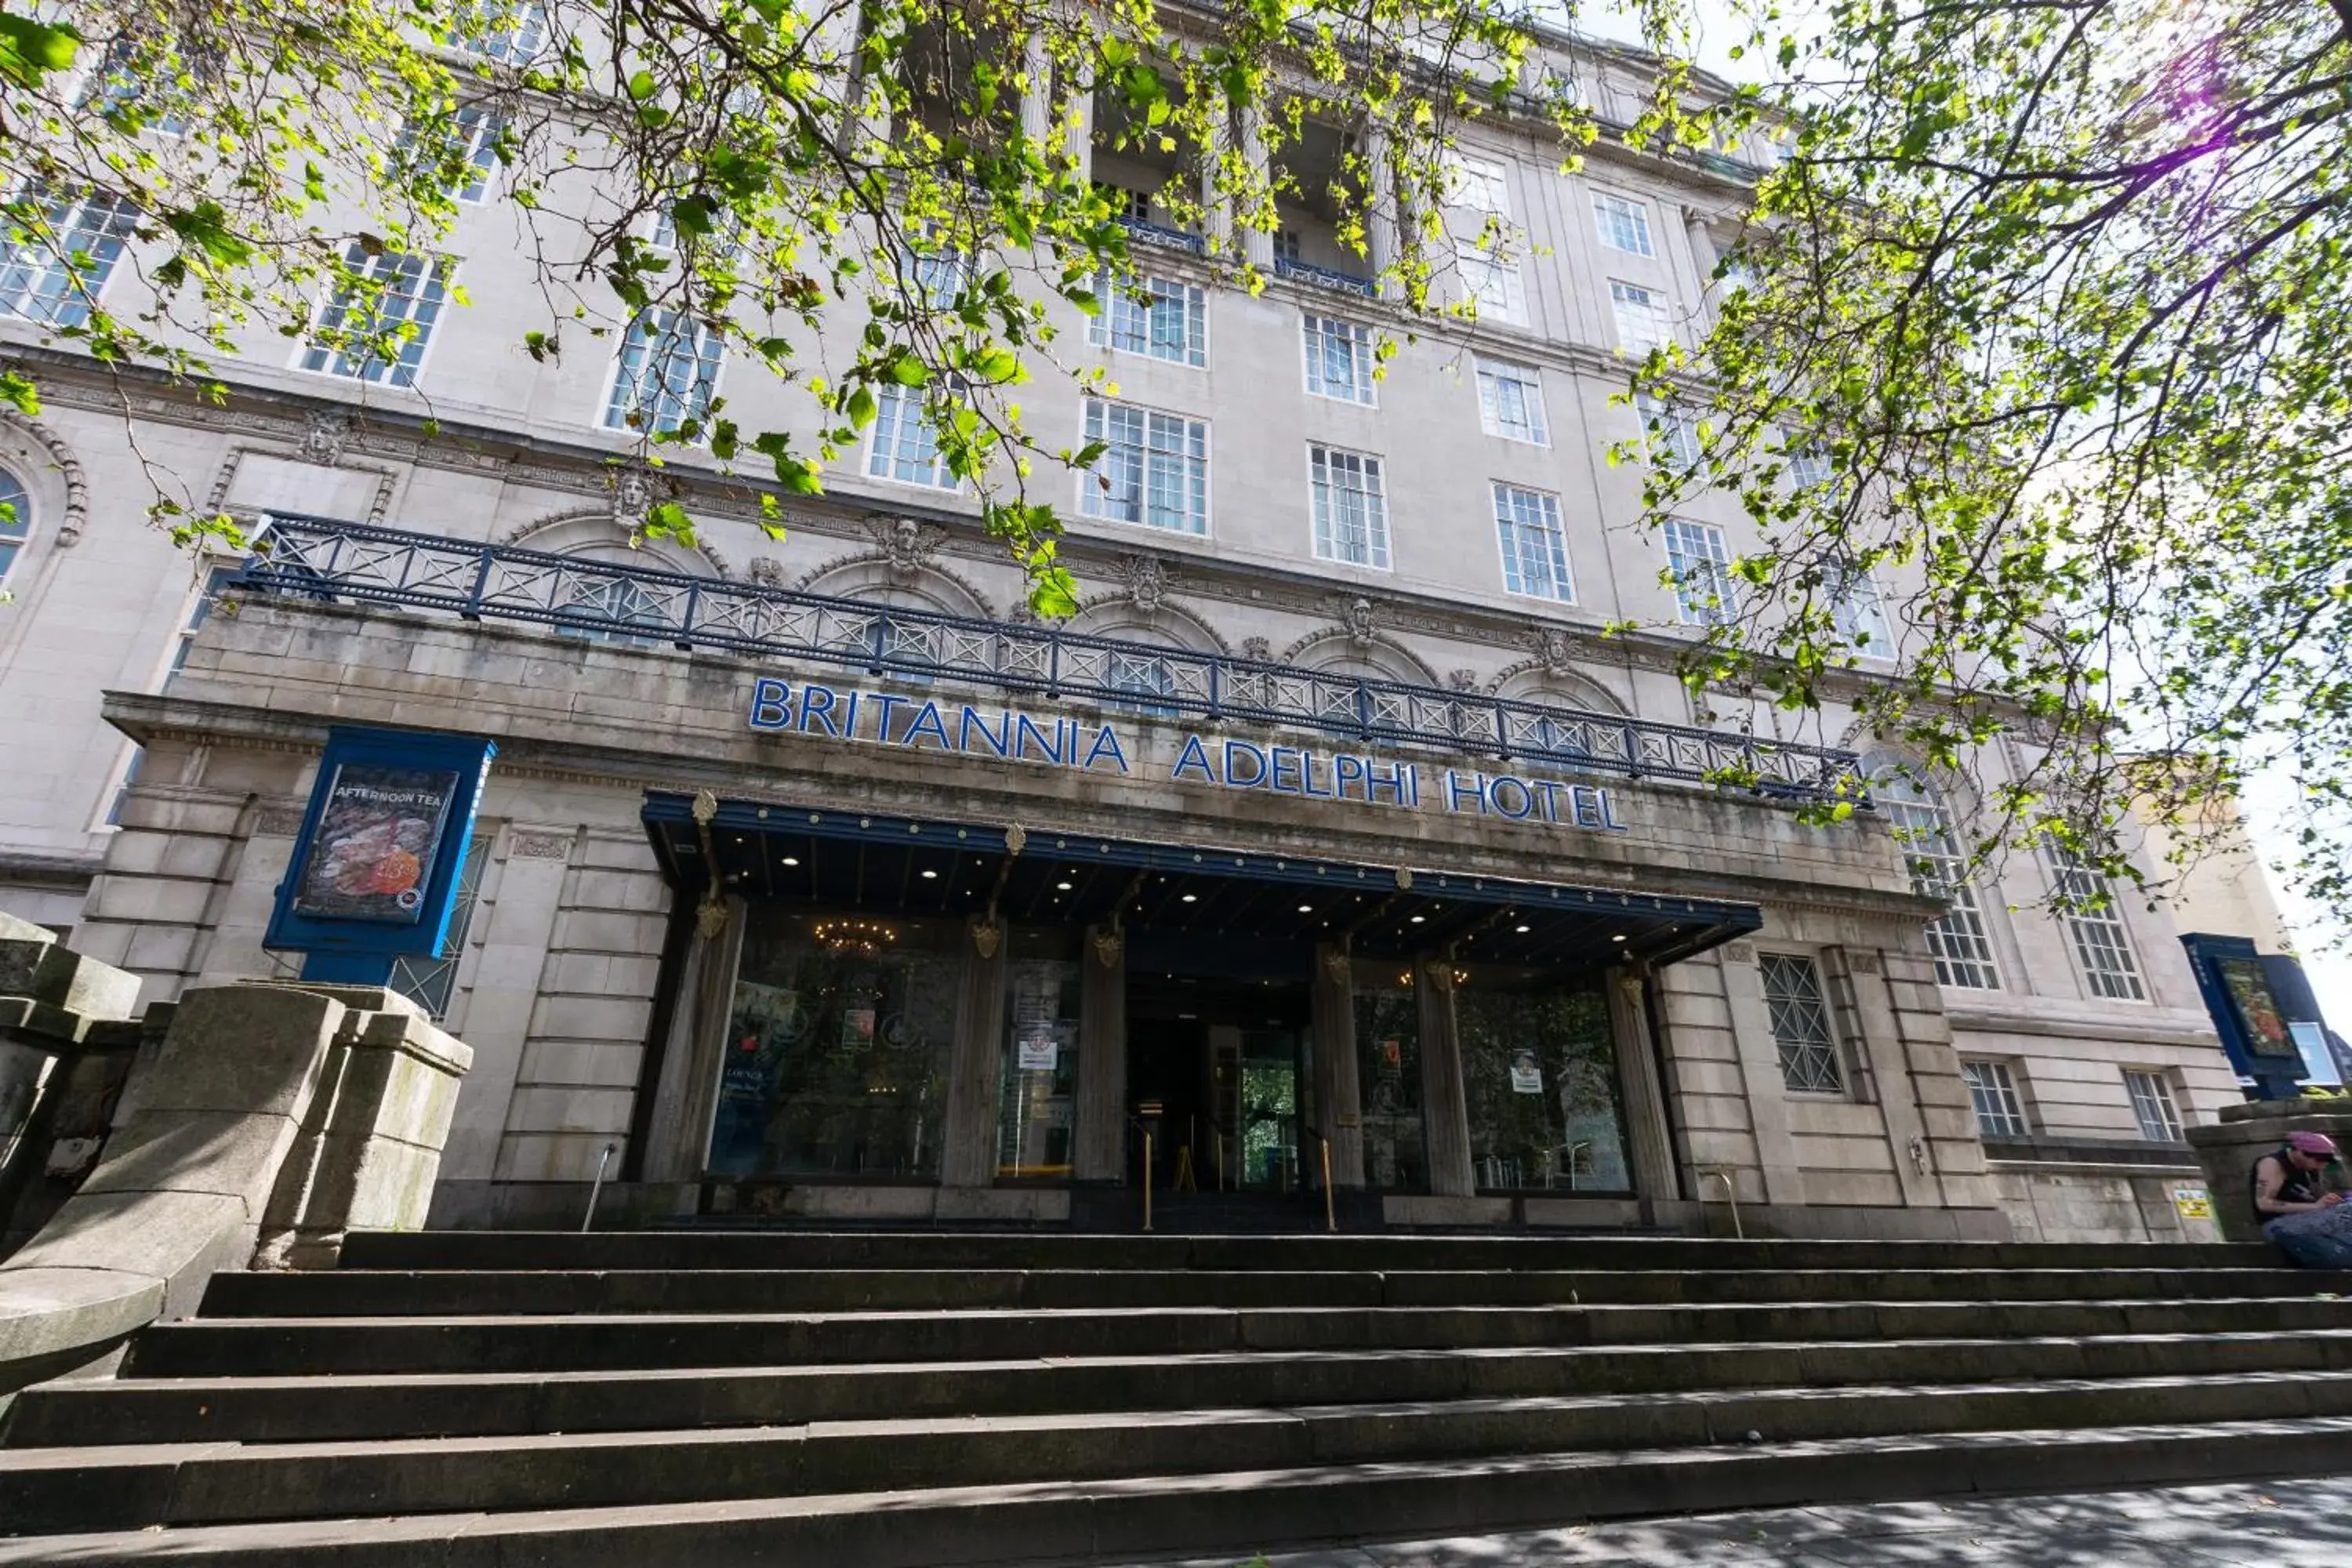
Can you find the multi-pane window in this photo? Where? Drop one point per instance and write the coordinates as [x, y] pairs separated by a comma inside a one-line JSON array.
[[2101, 943], [1490, 283], [394, 304], [1800, 1024], [667, 369], [1809, 467], [1351, 512], [2151, 1101], [1535, 553], [1338, 359], [1133, 206], [1670, 430], [1477, 183], [1154, 469], [1855, 610], [120, 89], [2000, 1113], [1162, 317], [510, 30], [1641, 314], [1923, 828], [1285, 244], [905, 447], [52, 269], [938, 275], [1624, 225], [1511, 403], [15, 519], [466, 150], [432, 983], [1700, 564]]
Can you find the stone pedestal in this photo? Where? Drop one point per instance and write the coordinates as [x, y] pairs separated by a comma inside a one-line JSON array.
[[2227, 1150]]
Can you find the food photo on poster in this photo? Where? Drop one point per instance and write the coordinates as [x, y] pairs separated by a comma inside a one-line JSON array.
[[375, 843]]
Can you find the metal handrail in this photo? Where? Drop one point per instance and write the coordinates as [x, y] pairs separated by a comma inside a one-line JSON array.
[[1161, 234], [1322, 276], [329, 561], [1323, 1148]]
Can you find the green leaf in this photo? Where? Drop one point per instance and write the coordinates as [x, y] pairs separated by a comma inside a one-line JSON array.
[[642, 86], [30, 49]]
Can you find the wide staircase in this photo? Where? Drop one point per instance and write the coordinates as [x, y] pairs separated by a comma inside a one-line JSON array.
[[869, 1400]]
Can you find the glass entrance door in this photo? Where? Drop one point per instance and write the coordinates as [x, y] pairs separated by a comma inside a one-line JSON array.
[[1264, 1109]]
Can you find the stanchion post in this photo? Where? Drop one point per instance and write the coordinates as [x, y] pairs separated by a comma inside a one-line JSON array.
[[1147, 1178], [1330, 1211]]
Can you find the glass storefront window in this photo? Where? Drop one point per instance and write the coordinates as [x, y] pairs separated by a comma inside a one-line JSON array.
[[1387, 1065], [1540, 1069], [1038, 1077], [836, 1058]]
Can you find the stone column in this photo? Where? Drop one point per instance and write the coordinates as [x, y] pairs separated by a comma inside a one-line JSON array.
[[1445, 1100], [1098, 1140], [1216, 201], [1382, 232], [1649, 1147], [1078, 124], [1339, 1097], [1037, 95], [1759, 1071], [968, 1156], [678, 1136], [1863, 973], [1257, 243], [520, 920]]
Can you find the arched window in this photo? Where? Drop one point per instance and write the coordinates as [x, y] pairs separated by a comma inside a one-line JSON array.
[[15, 519], [1923, 827]]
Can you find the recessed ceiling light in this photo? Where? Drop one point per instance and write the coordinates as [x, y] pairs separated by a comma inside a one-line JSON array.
[[1618, 937], [1417, 920], [1062, 887], [931, 876], [791, 860], [1307, 909], [1521, 929], [1189, 899]]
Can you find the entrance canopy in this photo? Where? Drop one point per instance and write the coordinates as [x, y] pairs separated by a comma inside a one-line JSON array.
[[853, 859]]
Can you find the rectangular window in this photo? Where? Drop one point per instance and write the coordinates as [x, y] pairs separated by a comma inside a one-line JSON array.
[[669, 367], [1511, 403], [2151, 1100], [1153, 471], [1854, 611], [1923, 828], [1133, 206], [1338, 359], [467, 152], [1809, 468], [54, 269], [1671, 433], [1800, 1024], [1162, 317], [1489, 283], [432, 983], [1640, 318], [1700, 566], [1477, 183], [1624, 225], [905, 449], [2000, 1113], [1535, 553], [394, 305], [2101, 943], [119, 89], [1285, 244], [510, 30], [1351, 512]]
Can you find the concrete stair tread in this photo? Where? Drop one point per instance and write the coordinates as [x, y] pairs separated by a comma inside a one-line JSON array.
[[1069, 1521]]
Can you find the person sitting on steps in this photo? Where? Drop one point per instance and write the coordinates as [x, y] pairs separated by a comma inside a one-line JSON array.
[[2298, 1206]]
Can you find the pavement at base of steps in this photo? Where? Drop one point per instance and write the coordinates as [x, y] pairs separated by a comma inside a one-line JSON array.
[[2290, 1523]]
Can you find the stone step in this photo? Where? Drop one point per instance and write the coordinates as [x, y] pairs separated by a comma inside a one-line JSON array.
[[476, 1403], [1075, 1522], [231, 1347], [481, 1292], [959, 1250], [51, 1490]]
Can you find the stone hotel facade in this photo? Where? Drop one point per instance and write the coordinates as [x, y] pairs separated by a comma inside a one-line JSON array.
[[817, 879]]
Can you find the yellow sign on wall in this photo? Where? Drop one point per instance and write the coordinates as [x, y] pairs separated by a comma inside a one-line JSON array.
[[2194, 1203]]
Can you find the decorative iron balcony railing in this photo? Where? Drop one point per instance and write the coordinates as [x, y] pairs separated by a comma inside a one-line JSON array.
[[1322, 276], [1161, 234], [348, 563]]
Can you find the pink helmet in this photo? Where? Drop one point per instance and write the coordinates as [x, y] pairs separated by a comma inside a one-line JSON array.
[[2318, 1145]]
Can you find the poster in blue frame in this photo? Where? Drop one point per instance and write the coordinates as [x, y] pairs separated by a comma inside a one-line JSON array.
[[381, 853]]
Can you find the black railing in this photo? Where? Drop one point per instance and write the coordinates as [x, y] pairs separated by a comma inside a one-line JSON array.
[[1322, 276], [348, 563], [1160, 234]]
